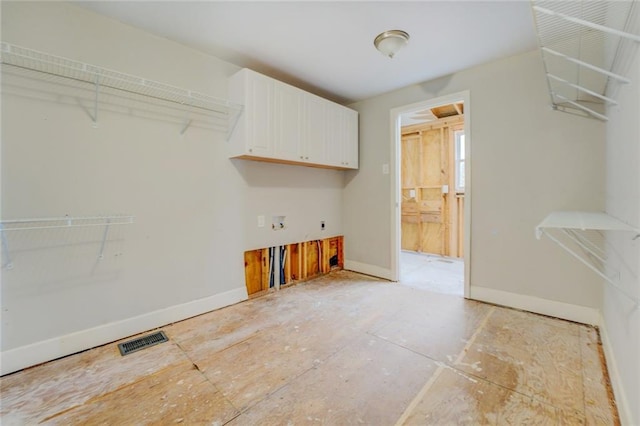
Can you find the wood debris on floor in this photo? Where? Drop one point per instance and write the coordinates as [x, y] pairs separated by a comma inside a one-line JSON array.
[[340, 349]]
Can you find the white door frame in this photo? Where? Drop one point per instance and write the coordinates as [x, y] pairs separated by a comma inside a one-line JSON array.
[[396, 193]]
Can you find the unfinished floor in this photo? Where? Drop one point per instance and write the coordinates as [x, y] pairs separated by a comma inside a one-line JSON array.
[[432, 272], [342, 349]]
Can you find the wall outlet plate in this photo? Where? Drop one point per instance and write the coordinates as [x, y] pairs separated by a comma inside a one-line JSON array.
[[277, 223]]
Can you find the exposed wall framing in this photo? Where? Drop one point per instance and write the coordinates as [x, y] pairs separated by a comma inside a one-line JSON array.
[[274, 267], [432, 210]]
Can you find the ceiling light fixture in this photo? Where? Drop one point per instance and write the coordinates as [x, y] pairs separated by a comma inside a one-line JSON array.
[[389, 42]]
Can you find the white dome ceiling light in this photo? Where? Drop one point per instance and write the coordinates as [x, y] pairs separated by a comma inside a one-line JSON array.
[[389, 42]]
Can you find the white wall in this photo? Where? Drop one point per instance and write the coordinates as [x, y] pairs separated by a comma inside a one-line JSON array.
[[195, 210], [621, 327], [526, 161], [304, 195]]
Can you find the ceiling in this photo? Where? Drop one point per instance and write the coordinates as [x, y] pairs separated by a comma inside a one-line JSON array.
[[432, 114], [327, 47]]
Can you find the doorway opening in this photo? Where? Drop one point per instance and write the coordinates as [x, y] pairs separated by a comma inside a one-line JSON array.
[[431, 194]]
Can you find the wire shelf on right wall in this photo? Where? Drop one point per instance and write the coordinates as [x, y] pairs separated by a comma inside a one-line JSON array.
[[573, 231], [584, 46]]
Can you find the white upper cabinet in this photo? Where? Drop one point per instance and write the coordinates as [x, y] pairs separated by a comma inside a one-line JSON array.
[[334, 131], [342, 129], [349, 148], [284, 124], [287, 121], [314, 145], [257, 95]]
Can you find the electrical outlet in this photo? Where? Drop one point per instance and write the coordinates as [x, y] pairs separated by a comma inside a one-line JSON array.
[[277, 223], [260, 221], [322, 225]]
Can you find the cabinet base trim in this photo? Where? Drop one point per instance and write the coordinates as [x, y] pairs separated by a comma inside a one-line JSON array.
[[291, 162]]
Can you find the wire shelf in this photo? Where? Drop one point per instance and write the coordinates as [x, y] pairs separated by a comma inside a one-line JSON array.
[[583, 46], [58, 223], [99, 77], [581, 234], [63, 222]]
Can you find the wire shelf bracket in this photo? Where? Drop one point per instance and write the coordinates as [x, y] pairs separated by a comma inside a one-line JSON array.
[[222, 110], [582, 44], [571, 224], [59, 223]]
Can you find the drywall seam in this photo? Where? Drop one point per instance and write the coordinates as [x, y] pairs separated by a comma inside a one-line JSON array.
[[47, 350], [364, 268], [624, 410], [581, 314]]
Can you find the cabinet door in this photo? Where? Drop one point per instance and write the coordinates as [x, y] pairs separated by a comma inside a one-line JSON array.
[[342, 137], [350, 146], [260, 100], [288, 118], [335, 124], [314, 146]]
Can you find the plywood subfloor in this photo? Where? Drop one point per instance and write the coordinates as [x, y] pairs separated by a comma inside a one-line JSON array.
[[342, 349]]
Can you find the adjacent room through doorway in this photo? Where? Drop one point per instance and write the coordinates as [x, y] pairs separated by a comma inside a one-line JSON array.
[[432, 188]]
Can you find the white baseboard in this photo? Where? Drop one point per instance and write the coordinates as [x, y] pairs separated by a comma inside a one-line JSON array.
[[47, 350], [622, 402], [576, 313], [364, 268]]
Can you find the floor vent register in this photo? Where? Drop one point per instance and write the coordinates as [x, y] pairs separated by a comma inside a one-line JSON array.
[[142, 343]]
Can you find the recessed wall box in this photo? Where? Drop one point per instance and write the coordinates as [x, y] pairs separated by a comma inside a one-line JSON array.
[[277, 223]]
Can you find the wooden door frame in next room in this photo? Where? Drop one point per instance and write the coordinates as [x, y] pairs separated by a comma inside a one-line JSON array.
[[395, 191]]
